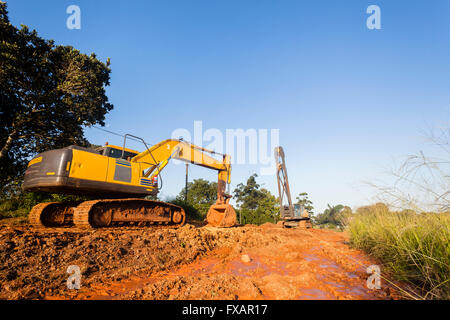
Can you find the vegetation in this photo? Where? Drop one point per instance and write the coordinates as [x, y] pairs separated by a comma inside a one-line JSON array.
[[412, 242], [201, 195], [333, 217], [421, 182], [192, 213], [19, 205], [48, 93], [413, 247], [256, 205], [302, 199]]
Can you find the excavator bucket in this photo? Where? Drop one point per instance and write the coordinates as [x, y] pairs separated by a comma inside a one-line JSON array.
[[221, 215]]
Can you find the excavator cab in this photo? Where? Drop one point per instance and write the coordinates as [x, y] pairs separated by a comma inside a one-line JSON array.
[[298, 210]]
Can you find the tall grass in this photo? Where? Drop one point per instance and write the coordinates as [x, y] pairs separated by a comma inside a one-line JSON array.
[[415, 248]]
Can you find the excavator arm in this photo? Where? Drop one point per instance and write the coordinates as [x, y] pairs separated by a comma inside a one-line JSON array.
[[154, 159]]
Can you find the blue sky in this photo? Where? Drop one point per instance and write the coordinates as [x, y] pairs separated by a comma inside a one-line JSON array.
[[348, 101]]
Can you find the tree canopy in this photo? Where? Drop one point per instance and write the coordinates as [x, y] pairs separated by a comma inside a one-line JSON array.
[[256, 205], [48, 93], [302, 199], [334, 216], [201, 195], [248, 195]]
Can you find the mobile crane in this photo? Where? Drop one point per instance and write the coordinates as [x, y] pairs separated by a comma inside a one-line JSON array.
[[122, 178], [292, 215]]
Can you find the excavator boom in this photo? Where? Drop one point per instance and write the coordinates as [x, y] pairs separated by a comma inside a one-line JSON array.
[[220, 214]]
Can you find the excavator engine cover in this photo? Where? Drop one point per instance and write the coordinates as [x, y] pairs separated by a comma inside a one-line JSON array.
[[221, 215]]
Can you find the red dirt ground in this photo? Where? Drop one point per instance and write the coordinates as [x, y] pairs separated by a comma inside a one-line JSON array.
[[188, 263]]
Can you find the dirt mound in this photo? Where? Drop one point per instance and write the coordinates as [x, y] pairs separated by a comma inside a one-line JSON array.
[[184, 287], [186, 263], [269, 225], [34, 263]]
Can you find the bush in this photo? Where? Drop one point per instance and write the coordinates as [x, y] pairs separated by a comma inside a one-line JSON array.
[[10, 208], [21, 204], [413, 247], [192, 213], [257, 217]]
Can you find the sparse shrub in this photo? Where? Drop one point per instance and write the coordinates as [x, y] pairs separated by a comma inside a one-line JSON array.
[[21, 204], [192, 213], [334, 217]]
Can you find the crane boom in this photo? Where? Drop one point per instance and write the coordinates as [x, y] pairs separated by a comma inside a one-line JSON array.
[[293, 215]]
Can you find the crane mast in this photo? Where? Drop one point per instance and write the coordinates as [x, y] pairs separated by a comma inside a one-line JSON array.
[[293, 215]]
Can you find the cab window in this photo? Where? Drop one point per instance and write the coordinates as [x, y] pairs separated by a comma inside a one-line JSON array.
[[116, 153]]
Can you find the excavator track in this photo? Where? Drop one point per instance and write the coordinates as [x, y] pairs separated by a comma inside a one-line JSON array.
[[128, 212], [34, 216], [52, 214]]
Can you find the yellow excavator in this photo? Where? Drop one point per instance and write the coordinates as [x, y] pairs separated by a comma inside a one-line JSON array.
[[122, 178]]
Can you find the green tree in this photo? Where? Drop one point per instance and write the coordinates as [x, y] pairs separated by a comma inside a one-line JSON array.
[[345, 216], [201, 195], [48, 93], [332, 216], [249, 195], [256, 205], [302, 199], [268, 207]]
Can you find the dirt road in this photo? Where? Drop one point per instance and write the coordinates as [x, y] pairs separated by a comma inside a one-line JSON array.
[[265, 262]]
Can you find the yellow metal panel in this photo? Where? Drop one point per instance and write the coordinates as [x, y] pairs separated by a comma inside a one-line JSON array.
[[89, 166], [187, 152], [111, 170], [35, 160], [135, 173]]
